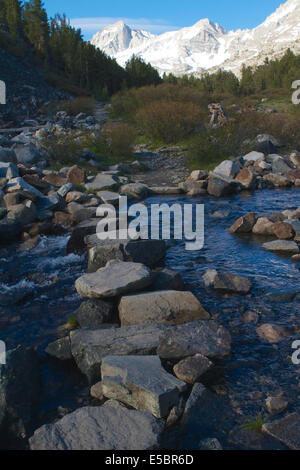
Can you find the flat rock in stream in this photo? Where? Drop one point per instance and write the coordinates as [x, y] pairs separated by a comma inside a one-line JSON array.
[[168, 307], [227, 282], [199, 337], [283, 246], [286, 430], [115, 279], [141, 382], [89, 347], [100, 428]]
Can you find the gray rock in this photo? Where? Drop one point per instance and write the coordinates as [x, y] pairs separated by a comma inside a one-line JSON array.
[[148, 252], [19, 391], [93, 313], [227, 282], [60, 349], [116, 279], [296, 227], [7, 155], [89, 347], [198, 393], [96, 391], [219, 185], [271, 333], [167, 307], [229, 168], [276, 405], [194, 188], [27, 154], [199, 337], [192, 368], [141, 382], [280, 166], [253, 156], [263, 226], [286, 430], [283, 246], [244, 224], [102, 181], [19, 184], [210, 443], [65, 189], [283, 296], [135, 190], [109, 197], [198, 175], [80, 213], [277, 180], [22, 214], [100, 428], [166, 279]]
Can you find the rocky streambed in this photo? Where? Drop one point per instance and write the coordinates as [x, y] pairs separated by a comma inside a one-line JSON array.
[[169, 348], [235, 393]]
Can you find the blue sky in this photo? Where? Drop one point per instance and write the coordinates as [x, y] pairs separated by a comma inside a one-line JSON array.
[[159, 16]]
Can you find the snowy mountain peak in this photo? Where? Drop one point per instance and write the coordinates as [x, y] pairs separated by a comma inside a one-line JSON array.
[[205, 46]]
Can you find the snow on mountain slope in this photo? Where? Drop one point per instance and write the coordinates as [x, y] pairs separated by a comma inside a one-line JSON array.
[[205, 46]]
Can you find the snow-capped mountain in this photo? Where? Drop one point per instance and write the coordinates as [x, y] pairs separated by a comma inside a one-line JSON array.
[[205, 46]]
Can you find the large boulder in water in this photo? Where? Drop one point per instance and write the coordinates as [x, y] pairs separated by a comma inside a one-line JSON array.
[[199, 337], [100, 428], [220, 185], [89, 347], [116, 279]]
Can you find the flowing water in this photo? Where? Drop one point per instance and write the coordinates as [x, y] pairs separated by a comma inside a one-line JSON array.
[[37, 296]]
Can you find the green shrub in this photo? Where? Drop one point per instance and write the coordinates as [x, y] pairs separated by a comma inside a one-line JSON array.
[[209, 148], [168, 121], [129, 102], [119, 138], [65, 148]]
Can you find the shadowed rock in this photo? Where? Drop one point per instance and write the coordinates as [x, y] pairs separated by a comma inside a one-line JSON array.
[[100, 428], [141, 382]]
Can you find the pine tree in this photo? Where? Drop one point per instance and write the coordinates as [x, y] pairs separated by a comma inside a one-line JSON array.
[[141, 74], [36, 26], [11, 16]]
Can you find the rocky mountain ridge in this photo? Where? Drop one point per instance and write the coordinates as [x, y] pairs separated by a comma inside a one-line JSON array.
[[205, 46]]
